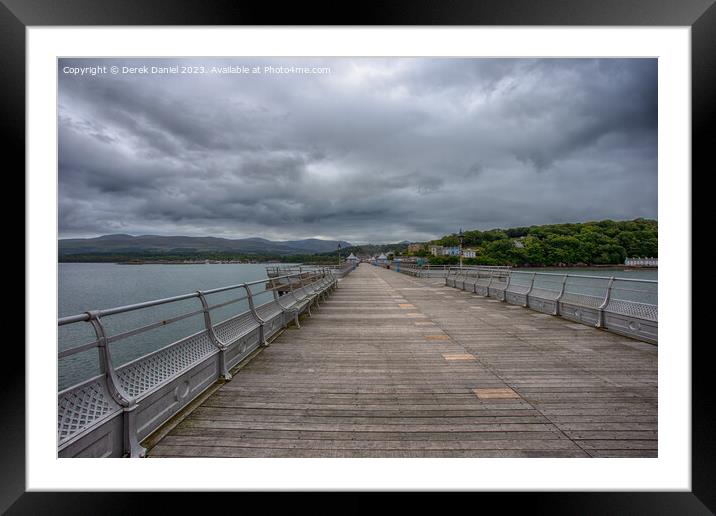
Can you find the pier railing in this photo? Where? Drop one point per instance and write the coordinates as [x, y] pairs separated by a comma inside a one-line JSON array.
[[622, 305], [440, 271], [343, 269], [338, 271], [424, 271], [112, 411]]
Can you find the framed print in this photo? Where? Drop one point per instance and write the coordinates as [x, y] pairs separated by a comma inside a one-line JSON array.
[[416, 250]]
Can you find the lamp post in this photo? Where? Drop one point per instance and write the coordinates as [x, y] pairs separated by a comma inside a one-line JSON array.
[[339, 254], [460, 235]]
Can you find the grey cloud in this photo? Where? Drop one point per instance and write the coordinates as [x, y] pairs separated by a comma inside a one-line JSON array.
[[377, 150]]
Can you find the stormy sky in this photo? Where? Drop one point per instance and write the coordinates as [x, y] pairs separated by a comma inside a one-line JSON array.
[[367, 150]]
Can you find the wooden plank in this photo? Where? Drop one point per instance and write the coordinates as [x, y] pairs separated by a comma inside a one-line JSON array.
[[353, 444], [167, 450], [502, 393], [238, 433]]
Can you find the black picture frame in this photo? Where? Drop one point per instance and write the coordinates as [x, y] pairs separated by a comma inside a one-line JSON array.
[[700, 15]]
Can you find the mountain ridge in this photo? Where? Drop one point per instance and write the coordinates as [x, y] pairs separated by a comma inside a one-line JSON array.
[[124, 243]]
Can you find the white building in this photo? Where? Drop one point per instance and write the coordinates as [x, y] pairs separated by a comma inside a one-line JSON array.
[[643, 262], [451, 251]]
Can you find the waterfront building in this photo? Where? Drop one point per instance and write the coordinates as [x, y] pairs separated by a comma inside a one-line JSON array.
[[451, 251], [436, 250], [642, 262], [469, 253]]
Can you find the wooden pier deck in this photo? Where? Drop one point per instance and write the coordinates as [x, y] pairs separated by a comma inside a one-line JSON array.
[[394, 366]]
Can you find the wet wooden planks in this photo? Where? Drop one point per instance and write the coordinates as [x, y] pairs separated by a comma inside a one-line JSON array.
[[367, 376]]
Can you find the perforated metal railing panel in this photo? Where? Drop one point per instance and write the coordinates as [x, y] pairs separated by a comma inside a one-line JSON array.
[[236, 327], [634, 298], [82, 406], [139, 376], [288, 301], [268, 310], [633, 309], [301, 295]]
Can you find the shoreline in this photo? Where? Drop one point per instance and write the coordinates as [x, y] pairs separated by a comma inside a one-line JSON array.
[[616, 266], [170, 262]]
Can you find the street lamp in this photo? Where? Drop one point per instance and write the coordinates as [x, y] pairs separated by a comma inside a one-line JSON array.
[[339, 254], [460, 235]]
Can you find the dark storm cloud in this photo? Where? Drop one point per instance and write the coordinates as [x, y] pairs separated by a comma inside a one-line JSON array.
[[376, 150]]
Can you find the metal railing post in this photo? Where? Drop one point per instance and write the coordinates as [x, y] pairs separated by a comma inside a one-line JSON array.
[[561, 293], [130, 442], [529, 291], [252, 307], [308, 305], [284, 309], [326, 284], [489, 283], [607, 295], [504, 292], [295, 312], [224, 373], [324, 292], [273, 289]]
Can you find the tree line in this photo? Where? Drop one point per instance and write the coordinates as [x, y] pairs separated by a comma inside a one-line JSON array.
[[605, 242], [145, 257]]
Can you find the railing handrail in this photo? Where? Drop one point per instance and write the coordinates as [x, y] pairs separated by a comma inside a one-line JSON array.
[[97, 314], [586, 276], [508, 271], [157, 302]]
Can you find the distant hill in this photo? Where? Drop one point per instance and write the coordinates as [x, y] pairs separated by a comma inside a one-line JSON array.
[[154, 244]]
